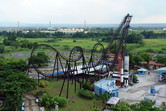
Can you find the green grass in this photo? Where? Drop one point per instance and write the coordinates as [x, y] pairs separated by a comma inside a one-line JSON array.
[[59, 44], [86, 43], [75, 103], [156, 45]]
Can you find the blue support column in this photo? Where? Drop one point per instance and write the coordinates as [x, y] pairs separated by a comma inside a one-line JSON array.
[[160, 76]]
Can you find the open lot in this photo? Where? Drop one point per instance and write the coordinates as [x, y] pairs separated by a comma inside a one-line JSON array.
[[137, 92]]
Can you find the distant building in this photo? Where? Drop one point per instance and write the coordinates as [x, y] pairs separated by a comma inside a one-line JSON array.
[[70, 31], [25, 32], [46, 31], [43, 31]]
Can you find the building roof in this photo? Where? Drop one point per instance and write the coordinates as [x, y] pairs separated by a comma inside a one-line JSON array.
[[154, 63], [141, 69], [107, 84], [70, 30], [163, 69], [113, 101]]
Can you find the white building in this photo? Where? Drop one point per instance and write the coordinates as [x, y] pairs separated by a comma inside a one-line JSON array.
[[70, 31]]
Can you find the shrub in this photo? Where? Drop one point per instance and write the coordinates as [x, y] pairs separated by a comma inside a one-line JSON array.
[[43, 83], [40, 93], [86, 85], [91, 87], [135, 78], [86, 94], [36, 87], [46, 101], [149, 50], [62, 101]]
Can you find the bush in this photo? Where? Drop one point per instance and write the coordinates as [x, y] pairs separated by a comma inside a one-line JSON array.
[[40, 93], [91, 87], [48, 101], [62, 101], [43, 83], [86, 85], [86, 94], [135, 78], [149, 50]]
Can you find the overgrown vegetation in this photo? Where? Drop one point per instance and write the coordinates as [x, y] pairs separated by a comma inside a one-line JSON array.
[[48, 101], [161, 59], [14, 82], [104, 96], [135, 78], [40, 58], [135, 59], [43, 83], [86, 94], [141, 106]]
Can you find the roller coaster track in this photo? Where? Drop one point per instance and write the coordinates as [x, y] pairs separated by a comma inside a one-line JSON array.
[[69, 71]]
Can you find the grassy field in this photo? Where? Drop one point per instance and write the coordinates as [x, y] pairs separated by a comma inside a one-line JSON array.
[[84, 43], [59, 44], [152, 45], [75, 103]]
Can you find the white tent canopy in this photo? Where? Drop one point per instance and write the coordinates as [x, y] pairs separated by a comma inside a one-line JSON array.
[[142, 69], [113, 101]]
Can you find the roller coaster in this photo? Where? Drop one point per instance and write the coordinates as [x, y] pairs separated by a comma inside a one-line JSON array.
[[76, 67]]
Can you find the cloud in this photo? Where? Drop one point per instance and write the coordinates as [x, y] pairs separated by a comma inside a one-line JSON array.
[[76, 11]]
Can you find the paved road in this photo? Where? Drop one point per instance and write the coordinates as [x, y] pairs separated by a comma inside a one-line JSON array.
[[137, 91]]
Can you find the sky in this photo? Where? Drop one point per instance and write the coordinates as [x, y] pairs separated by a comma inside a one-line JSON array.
[[77, 11]]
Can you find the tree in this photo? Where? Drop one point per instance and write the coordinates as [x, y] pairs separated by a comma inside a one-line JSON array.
[[161, 59], [104, 96], [2, 48], [148, 34], [141, 106], [123, 106], [137, 59], [146, 56], [134, 38], [14, 44], [10, 40], [13, 86], [59, 34], [131, 59], [14, 83], [27, 44], [40, 58], [135, 78], [46, 101]]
